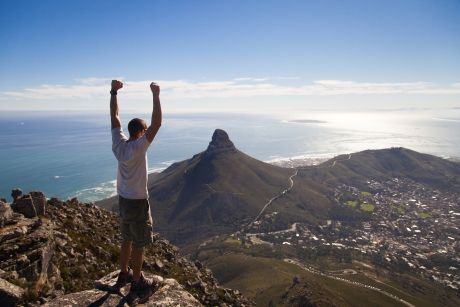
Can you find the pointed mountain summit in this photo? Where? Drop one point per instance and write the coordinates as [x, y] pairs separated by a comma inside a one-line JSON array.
[[220, 143], [215, 191]]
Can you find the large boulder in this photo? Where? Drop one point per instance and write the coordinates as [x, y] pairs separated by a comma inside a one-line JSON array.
[[16, 193], [9, 294], [34, 266], [39, 201], [55, 202], [169, 293], [26, 253], [6, 213], [25, 206]]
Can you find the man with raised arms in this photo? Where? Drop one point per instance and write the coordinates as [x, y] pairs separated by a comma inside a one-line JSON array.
[[134, 207]]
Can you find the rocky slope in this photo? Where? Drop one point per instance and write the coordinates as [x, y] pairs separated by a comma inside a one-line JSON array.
[[52, 252]]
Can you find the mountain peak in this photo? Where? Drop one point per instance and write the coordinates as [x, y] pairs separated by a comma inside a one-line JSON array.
[[220, 143]]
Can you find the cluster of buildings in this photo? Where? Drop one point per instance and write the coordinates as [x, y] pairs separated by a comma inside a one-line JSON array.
[[399, 224]]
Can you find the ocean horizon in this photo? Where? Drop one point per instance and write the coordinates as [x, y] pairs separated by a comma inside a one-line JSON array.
[[68, 154]]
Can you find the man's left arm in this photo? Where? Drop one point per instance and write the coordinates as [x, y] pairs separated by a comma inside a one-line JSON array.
[[155, 123], [115, 118]]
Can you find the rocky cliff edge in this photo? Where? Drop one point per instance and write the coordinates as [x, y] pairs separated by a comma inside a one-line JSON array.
[[58, 253]]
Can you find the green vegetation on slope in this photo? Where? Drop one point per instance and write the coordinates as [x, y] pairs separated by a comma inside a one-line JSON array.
[[367, 207], [260, 272], [424, 215], [352, 203]]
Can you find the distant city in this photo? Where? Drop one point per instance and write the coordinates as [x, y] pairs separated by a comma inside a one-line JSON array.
[[409, 225]]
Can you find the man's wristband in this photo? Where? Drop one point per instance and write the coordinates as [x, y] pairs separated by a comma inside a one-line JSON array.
[[113, 92]]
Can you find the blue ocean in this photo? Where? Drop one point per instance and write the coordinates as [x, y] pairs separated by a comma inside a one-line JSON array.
[[68, 154]]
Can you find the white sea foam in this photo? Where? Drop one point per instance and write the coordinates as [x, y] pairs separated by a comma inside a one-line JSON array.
[[109, 189], [301, 160], [164, 166], [101, 191]]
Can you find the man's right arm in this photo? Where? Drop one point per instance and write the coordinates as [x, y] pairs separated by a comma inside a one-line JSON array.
[[115, 118], [156, 113]]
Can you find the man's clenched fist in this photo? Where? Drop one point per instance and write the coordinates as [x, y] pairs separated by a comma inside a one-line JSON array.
[[116, 85], [155, 89]]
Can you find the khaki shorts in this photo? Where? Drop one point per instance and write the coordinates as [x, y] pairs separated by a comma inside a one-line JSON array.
[[135, 221]]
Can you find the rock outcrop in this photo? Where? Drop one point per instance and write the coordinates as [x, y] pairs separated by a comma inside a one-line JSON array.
[[6, 213], [30, 205], [26, 253], [10, 294], [220, 142], [25, 206], [169, 293], [39, 201], [55, 257], [16, 193]]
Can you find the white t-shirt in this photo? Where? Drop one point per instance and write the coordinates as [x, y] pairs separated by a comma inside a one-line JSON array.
[[132, 165]]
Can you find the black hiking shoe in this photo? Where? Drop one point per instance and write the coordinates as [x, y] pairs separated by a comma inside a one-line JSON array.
[[142, 289], [124, 278]]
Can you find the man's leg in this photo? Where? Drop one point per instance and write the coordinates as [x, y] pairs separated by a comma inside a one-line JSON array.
[[125, 254], [138, 259], [125, 276]]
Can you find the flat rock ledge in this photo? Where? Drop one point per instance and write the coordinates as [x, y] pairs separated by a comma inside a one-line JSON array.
[[169, 293], [10, 294]]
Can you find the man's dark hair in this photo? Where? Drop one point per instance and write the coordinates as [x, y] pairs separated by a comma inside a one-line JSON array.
[[136, 125]]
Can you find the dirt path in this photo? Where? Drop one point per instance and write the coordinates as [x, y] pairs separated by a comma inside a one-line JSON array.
[[333, 163], [354, 283], [277, 196]]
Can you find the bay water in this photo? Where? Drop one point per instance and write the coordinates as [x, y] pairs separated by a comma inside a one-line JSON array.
[[68, 154]]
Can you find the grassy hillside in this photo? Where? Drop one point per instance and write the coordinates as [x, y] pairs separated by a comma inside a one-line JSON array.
[[206, 195], [264, 275], [312, 196], [220, 189], [383, 164]]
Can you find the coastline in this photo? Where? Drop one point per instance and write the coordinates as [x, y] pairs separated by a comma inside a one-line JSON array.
[[58, 166], [286, 162], [107, 189]]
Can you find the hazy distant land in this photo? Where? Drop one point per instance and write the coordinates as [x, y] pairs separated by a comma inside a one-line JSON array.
[[307, 121], [300, 161]]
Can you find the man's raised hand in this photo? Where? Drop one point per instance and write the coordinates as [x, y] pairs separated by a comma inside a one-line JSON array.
[[156, 113], [116, 85], [155, 89]]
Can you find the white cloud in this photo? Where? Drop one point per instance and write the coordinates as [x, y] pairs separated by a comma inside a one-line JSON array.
[[96, 88], [95, 81]]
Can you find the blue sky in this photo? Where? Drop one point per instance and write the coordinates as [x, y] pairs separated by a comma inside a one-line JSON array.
[[231, 55]]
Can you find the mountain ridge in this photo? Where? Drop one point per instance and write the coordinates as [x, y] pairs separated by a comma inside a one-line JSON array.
[[220, 189]]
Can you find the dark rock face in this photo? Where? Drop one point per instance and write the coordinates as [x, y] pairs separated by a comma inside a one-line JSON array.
[[39, 201], [26, 252], [6, 213], [16, 193], [220, 143], [55, 202], [30, 205], [25, 206], [9, 294]]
